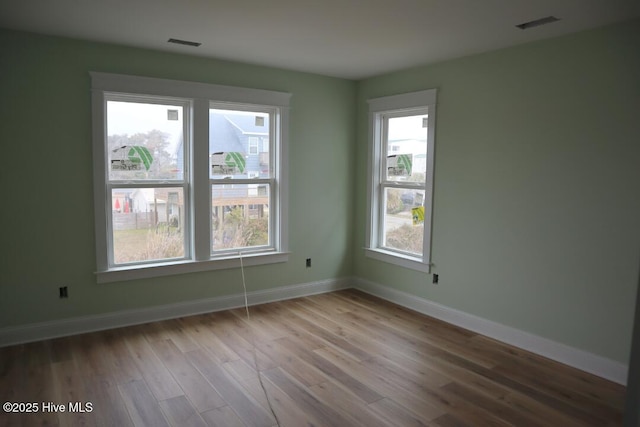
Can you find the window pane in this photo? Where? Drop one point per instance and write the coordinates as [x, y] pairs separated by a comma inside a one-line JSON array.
[[238, 143], [403, 227], [147, 224], [145, 141], [240, 216], [407, 148]]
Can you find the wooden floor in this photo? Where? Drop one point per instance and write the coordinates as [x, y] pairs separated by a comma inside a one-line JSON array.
[[339, 359]]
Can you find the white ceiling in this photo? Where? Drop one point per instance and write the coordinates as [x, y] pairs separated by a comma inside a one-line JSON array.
[[343, 38]]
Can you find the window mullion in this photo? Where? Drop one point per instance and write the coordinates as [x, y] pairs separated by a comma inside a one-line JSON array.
[[241, 181], [410, 185], [201, 188]]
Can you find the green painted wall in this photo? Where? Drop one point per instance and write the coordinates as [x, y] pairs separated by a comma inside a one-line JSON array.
[[537, 187], [46, 175]]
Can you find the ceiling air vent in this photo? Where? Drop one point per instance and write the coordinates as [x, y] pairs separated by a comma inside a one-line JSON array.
[[537, 22], [184, 42]]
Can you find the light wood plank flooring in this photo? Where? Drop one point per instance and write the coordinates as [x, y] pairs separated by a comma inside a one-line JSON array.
[[339, 359]]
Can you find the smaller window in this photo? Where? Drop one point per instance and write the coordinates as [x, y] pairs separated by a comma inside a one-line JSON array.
[[253, 145], [401, 179]]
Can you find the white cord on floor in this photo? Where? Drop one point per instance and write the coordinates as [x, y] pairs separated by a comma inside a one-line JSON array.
[[253, 343]]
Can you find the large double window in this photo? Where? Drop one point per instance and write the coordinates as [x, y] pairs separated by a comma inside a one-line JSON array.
[[401, 178], [187, 176]]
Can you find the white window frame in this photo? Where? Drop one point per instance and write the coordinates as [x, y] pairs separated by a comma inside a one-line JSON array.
[[197, 96], [253, 179], [379, 108]]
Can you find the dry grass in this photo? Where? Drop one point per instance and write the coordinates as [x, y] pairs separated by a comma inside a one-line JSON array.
[[147, 244]]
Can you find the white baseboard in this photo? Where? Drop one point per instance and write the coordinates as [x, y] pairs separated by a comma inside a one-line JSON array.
[[589, 362], [78, 325], [580, 359]]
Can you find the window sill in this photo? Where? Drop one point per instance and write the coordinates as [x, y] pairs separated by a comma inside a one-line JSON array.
[[413, 263], [120, 274]]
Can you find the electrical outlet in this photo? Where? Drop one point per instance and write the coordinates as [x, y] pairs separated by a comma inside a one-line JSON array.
[[435, 278], [308, 262], [64, 292]]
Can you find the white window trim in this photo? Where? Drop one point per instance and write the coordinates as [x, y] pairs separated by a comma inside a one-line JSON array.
[[272, 181], [200, 95], [425, 99]]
